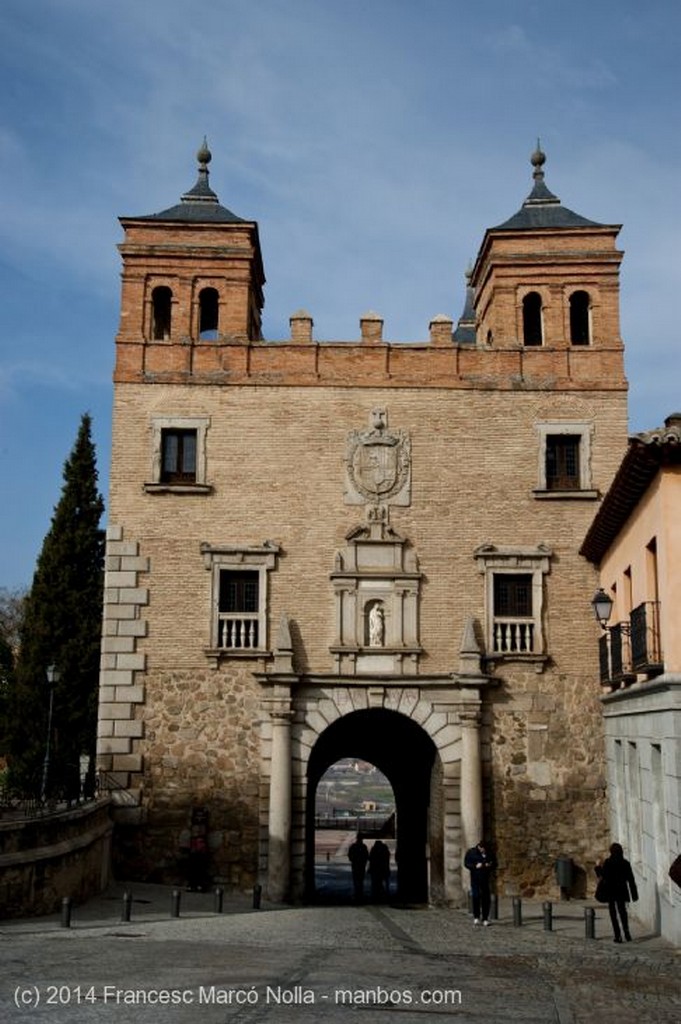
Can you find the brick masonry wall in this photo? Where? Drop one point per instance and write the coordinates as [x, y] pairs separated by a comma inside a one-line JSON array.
[[275, 462]]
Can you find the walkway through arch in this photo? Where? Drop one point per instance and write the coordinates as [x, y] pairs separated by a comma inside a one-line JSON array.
[[407, 756]]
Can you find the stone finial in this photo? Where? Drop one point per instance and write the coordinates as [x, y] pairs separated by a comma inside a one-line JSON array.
[[371, 327], [469, 652], [283, 652], [441, 329], [301, 326]]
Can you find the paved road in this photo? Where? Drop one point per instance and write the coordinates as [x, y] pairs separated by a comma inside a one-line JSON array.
[[335, 964]]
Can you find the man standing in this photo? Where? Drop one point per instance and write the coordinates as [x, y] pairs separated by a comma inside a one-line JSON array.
[[358, 856], [480, 863]]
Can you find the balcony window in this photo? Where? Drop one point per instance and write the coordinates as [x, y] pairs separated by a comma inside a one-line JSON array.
[[239, 575], [514, 600], [238, 609], [513, 619]]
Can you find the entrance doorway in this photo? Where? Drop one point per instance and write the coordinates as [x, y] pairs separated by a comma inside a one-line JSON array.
[[353, 798], [407, 756]]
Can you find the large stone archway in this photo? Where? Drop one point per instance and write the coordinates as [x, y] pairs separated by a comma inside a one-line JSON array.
[[423, 733], [406, 755]]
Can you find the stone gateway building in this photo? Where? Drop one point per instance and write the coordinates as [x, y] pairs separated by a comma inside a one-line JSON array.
[[324, 549]]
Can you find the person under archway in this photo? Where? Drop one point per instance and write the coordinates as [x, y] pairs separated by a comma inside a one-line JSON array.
[[358, 855], [379, 870]]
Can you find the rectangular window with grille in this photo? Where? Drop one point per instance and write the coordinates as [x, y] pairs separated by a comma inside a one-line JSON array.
[[513, 627], [178, 456], [513, 595], [238, 609], [562, 462]]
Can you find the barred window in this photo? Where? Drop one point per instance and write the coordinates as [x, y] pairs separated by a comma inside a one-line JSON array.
[[562, 462], [178, 456], [513, 595]]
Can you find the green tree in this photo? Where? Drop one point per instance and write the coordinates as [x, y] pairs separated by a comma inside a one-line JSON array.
[[11, 614], [61, 627]]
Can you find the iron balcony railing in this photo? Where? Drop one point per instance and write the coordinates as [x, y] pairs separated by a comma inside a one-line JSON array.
[[646, 651], [620, 652], [604, 658], [629, 648]]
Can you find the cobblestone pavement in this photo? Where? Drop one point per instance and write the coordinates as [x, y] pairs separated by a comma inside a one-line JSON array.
[[334, 964]]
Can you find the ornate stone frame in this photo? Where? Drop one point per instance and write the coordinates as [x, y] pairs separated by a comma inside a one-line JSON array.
[[261, 558], [493, 561]]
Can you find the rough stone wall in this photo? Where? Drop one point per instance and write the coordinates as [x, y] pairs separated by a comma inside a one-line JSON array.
[[44, 859]]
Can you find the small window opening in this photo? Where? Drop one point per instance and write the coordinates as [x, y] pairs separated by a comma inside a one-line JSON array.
[[562, 462], [178, 456], [532, 319], [161, 300], [208, 314], [579, 318]]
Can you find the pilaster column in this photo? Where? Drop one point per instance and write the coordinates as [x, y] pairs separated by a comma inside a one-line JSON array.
[[279, 822], [471, 779]]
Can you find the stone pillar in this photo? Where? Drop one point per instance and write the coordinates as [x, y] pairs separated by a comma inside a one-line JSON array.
[[279, 822], [471, 779]]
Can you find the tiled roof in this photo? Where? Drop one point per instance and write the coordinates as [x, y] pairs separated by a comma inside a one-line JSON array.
[[646, 454]]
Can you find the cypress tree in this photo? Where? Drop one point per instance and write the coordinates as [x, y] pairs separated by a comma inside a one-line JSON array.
[[62, 627]]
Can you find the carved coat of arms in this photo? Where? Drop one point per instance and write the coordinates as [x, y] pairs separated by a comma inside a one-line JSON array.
[[378, 464]]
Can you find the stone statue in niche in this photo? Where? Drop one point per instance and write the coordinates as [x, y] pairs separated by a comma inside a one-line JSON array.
[[376, 625], [378, 464]]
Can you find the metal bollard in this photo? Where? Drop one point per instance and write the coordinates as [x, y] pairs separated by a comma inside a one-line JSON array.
[[494, 907], [66, 905], [589, 923], [175, 903], [218, 897], [548, 916], [257, 894], [517, 911], [127, 906]]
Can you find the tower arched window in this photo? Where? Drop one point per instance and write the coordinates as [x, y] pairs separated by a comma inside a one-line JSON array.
[[580, 306], [208, 314], [161, 305], [532, 319]]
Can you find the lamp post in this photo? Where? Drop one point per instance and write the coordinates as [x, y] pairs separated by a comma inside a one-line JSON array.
[[52, 679], [602, 605]]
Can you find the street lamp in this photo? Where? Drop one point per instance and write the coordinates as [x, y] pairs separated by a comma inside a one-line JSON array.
[[602, 605], [53, 676]]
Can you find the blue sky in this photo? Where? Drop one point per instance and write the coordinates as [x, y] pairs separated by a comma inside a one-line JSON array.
[[373, 140]]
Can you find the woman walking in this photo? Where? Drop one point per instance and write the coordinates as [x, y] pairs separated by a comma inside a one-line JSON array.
[[617, 880]]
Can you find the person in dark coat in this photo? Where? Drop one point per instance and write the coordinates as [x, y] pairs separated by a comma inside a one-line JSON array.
[[379, 869], [358, 855], [620, 888], [480, 863]]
